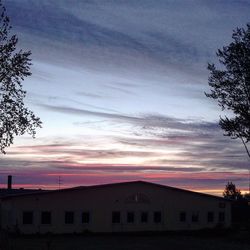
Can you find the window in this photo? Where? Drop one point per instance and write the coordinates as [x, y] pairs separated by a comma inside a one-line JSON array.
[[27, 217], [46, 217], [116, 217], [221, 217], [130, 217], [195, 216], [69, 217], [182, 216], [210, 217], [144, 217], [157, 217], [85, 217]]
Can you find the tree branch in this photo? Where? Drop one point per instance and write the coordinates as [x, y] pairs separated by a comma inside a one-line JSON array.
[[248, 153]]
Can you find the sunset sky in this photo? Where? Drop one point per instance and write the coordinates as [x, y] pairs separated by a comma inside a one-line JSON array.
[[119, 86]]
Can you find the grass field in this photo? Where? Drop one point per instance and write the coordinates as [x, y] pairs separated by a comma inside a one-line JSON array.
[[232, 241]]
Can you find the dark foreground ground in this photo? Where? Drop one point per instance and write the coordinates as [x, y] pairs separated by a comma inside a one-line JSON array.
[[168, 241]]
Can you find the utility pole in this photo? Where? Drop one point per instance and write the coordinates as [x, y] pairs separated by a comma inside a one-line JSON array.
[[59, 182], [249, 182]]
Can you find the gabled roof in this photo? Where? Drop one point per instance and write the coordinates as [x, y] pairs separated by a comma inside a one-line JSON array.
[[43, 192]]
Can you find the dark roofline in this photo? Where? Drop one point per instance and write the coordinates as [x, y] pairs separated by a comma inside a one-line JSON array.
[[43, 192], [186, 191], [18, 191]]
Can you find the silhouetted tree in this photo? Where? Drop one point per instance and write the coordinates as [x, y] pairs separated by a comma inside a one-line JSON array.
[[230, 85], [15, 118], [231, 192], [247, 197]]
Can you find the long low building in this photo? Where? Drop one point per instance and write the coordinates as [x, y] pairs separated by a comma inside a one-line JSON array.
[[120, 207]]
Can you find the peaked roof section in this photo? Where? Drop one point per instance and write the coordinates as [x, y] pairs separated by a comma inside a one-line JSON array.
[[43, 192]]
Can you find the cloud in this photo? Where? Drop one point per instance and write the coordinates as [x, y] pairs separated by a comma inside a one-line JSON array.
[[145, 121], [83, 153], [45, 175], [198, 140], [91, 95], [187, 142], [162, 26], [140, 67], [44, 167], [82, 112]]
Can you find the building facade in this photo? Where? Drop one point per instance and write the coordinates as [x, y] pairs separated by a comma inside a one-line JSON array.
[[121, 207]]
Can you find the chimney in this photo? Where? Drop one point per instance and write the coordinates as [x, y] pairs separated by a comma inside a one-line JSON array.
[[9, 182]]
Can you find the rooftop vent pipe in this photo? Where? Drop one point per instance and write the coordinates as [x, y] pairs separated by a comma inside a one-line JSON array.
[[9, 182]]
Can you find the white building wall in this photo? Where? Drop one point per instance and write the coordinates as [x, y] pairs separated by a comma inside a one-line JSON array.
[[101, 201]]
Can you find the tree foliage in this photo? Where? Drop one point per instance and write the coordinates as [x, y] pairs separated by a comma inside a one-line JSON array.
[[15, 118], [231, 192], [230, 85]]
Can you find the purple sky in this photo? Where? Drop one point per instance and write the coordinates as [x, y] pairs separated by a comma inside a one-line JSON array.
[[119, 86]]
